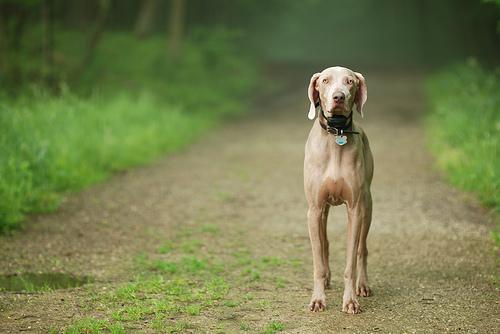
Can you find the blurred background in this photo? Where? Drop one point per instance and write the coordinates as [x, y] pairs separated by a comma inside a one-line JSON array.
[[90, 87], [69, 41]]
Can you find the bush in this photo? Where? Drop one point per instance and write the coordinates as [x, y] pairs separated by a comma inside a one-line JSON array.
[[130, 108], [463, 128]]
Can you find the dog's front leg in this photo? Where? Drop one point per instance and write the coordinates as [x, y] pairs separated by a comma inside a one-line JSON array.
[[350, 303], [317, 227], [363, 288]]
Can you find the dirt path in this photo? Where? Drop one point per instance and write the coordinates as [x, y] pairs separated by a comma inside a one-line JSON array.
[[431, 260]]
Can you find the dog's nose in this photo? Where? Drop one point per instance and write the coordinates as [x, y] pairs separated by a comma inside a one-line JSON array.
[[339, 97]]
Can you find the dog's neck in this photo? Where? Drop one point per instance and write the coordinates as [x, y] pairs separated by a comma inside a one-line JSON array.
[[335, 125]]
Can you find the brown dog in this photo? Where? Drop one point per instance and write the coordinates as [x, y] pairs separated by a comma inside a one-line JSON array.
[[338, 169]]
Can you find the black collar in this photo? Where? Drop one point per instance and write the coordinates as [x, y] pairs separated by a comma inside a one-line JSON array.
[[332, 125]]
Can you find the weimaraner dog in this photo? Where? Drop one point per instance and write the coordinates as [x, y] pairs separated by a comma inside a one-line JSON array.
[[338, 169]]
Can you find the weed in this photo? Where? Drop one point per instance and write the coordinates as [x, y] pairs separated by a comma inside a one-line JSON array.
[[179, 327], [244, 327], [165, 267], [193, 309], [252, 275], [166, 248], [192, 264], [297, 263], [210, 228], [280, 282], [127, 292], [263, 304], [191, 245], [141, 260], [231, 303], [94, 326], [272, 261], [274, 327]]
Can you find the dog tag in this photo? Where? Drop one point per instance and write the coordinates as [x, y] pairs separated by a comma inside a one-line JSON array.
[[341, 140]]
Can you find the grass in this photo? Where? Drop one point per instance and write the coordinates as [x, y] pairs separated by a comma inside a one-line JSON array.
[[274, 327], [93, 326], [463, 130], [178, 289], [127, 110], [51, 145]]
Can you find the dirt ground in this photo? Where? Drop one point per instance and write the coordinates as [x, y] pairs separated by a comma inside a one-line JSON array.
[[431, 264]]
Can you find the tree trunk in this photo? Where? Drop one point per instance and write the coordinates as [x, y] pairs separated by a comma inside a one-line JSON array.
[[146, 18], [424, 39], [47, 42], [95, 37], [18, 29], [3, 41], [176, 29]]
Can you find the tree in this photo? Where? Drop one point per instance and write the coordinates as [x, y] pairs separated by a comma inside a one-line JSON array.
[[47, 41], [146, 18], [175, 28], [95, 36]]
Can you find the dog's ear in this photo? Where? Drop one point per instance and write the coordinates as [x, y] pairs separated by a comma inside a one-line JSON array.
[[313, 96], [361, 94]]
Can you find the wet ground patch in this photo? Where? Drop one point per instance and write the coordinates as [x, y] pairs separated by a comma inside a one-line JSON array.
[[33, 282]]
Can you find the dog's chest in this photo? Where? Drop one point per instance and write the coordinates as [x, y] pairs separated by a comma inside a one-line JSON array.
[[339, 177], [336, 191]]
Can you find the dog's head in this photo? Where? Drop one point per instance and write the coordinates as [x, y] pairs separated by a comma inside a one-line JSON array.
[[337, 89]]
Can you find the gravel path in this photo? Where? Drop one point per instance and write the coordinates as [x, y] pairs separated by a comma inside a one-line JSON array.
[[431, 263]]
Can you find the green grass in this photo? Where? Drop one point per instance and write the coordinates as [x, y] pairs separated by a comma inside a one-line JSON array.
[[274, 327], [185, 289], [51, 145], [463, 130], [127, 110], [244, 327], [94, 326]]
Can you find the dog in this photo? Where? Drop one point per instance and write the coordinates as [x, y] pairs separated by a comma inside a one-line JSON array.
[[338, 169]]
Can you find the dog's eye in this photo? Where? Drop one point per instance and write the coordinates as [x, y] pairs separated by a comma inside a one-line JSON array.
[[349, 81], [325, 81]]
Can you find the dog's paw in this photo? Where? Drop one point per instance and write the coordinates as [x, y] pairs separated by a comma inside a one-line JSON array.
[[363, 290], [317, 304], [351, 306]]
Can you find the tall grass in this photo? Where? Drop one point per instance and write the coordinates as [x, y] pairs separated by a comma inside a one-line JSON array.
[[464, 128], [130, 108]]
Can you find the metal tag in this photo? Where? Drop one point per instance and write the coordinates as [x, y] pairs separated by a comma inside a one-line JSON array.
[[341, 140]]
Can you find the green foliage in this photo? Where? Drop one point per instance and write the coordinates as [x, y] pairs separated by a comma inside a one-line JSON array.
[[274, 327], [130, 107], [94, 326], [464, 128], [231, 303], [210, 228], [496, 2], [244, 327], [52, 145]]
